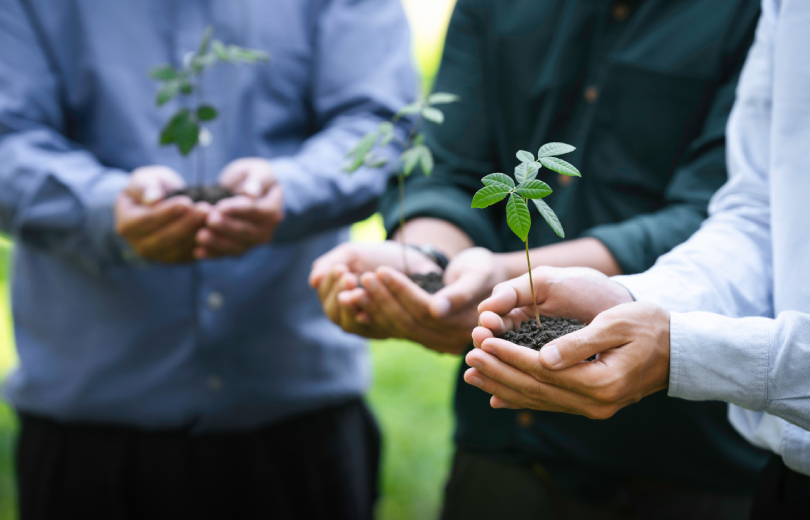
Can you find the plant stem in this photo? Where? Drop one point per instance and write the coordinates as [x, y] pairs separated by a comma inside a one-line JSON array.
[[531, 285], [401, 181]]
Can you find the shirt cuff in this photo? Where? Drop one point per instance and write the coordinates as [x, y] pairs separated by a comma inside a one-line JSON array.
[[101, 218], [713, 357]]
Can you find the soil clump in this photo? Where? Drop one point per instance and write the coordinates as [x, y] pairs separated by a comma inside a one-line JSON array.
[[209, 194], [531, 337], [431, 282]]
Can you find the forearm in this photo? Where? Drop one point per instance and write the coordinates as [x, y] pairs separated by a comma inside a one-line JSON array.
[[441, 234], [583, 252]]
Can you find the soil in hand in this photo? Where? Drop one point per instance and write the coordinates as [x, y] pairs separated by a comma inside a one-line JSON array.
[[530, 336], [430, 282], [209, 194]]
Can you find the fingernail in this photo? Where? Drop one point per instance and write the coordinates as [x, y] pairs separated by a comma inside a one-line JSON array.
[[440, 307], [385, 277], [475, 381], [254, 189], [151, 195], [215, 218], [551, 355], [475, 364], [371, 284]]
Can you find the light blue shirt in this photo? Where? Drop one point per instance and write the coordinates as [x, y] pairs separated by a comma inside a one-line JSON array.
[[748, 267], [213, 345]]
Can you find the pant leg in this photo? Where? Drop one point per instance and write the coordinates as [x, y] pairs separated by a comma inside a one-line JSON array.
[[483, 487], [782, 493]]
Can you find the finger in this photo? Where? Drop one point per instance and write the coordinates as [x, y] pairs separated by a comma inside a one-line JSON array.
[[324, 264], [518, 400], [239, 229], [460, 294], [518, 292], [135, 220], [479, 335], [494, 323], [603, 334], [496, 402], [150, 184], [413, 299], [177, 235], [329, 282]]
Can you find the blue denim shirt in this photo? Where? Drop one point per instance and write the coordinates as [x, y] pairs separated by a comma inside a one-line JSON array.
[[213, 345]]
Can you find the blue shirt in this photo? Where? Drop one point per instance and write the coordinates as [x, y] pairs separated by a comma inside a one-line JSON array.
[[739, 289], [213, 345]]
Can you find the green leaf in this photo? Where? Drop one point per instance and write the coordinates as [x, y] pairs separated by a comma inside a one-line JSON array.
[[434, 115], [187, 133], [361, 151], [550, 216], [206, 113], [489, 195], [200, 63], [169, 133], [167, 92], [518, 217], [413, 108], [534, 189], [426, 159], [386, 131], [498, 178], [410, 158], [524, 156], [163, 73], [441, 98], [220, 50], [526, 171], [185, 86], [559, 166], [206, 40], [551, 149]]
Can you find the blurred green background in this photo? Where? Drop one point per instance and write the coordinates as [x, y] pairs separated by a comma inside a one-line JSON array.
[[412, 387]]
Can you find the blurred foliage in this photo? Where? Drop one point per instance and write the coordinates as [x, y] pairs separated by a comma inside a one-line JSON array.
[[412, 388]]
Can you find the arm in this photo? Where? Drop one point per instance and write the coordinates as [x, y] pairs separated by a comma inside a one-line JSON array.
[[364, 75], [54, 195]]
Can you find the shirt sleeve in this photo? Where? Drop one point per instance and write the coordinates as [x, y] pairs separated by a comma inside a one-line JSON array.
[[364, 74], [637, 242], [54, 195], [462, 145]]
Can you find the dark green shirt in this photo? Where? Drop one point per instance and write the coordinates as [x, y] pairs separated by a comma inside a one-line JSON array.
[[643, 90]]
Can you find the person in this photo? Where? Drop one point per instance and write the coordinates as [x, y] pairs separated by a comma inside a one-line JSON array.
[[173, 361], [643, 90], [725, 316]]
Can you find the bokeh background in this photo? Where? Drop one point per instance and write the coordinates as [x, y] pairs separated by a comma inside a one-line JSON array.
[[412, 387]]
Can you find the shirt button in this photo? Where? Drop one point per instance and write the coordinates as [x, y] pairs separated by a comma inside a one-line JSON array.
[[215, 383], [620, 12], [524, 419], [565, 180], [215, 300], [591, 93]]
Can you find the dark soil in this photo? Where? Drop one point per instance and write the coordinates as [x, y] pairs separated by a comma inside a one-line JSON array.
[[553, 328], [430, 282], [209, 194]]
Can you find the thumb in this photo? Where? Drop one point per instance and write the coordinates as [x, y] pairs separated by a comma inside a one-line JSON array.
[[459, 295], [568, 350]]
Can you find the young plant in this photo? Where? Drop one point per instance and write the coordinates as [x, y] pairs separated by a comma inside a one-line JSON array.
[[416, 152], [185, 127], [498, 186]]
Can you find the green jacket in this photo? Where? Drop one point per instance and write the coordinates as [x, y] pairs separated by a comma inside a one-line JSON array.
[[643, 90]]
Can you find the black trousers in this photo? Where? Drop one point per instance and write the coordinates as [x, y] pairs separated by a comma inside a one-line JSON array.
[[322, 465], [483, 488], [782, 493]]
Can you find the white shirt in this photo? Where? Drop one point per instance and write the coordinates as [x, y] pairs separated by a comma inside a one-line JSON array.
[[748, 268]]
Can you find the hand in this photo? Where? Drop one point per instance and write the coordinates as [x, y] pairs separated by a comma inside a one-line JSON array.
[[338, 273], [157, 229], [246, 220], [631, 342], [565, 292]]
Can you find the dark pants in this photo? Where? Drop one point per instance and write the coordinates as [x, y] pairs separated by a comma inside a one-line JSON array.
[[782, 493], [321, 465], [483, 488]]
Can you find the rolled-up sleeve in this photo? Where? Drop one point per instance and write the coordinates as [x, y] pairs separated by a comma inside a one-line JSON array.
[[364, 74], [54, 195]]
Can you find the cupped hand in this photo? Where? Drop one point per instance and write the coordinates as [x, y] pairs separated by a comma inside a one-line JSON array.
[[158, 229], [631, 345], [565, 292], [248, 219], [337, 273]]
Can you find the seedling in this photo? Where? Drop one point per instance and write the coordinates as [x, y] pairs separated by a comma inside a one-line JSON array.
[[185, 127], [498, 186], [416, 151]]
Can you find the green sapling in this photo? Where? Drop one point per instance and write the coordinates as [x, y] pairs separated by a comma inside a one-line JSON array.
[[185, 127], [416, 151], [498, 186]]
